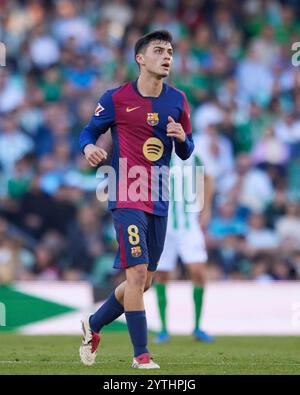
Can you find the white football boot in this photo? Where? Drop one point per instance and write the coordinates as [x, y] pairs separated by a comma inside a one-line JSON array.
[[90, 343], [144, 361]]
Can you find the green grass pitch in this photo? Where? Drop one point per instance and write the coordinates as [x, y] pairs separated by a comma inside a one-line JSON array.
[[183, 355]]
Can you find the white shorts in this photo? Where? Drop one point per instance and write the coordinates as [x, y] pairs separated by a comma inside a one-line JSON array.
[[188, 245]]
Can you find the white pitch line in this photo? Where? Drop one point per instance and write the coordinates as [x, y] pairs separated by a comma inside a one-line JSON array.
[[167, 363]]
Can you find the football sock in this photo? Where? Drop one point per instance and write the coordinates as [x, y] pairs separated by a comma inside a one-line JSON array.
[[107, 313], [162, 304], [137, 328], [198, 299]]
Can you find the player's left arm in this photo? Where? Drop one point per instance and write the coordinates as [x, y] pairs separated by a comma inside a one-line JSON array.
[[209, 188], [182, 132]]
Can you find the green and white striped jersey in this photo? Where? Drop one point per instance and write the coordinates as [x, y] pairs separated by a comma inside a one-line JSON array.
[[186, 192]]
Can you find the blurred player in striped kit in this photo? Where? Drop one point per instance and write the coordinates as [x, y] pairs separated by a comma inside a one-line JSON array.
[[185, 239]]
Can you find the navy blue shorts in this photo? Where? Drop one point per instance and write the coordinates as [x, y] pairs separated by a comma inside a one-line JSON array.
[[141, 237]]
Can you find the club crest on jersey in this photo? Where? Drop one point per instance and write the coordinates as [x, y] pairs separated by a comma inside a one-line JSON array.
[[152, 118], [99, 109], [136, 251]]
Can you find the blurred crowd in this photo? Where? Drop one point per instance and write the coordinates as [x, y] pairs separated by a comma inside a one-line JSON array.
[[232, 59]]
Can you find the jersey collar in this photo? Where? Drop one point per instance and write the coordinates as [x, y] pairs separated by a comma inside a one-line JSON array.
[[134, 85]]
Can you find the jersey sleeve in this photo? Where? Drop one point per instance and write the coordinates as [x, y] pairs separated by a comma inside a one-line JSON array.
[[185, 118], [101, 121], [185, 149]]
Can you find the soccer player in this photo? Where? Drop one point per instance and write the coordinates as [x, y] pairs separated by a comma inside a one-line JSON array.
[[185, 239], [147, 119]]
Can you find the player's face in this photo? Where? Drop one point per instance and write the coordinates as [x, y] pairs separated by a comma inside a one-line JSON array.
[[158, 58]]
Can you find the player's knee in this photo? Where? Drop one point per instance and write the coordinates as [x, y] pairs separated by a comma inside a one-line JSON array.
[[137, 276], [198, 279], [198, 274]]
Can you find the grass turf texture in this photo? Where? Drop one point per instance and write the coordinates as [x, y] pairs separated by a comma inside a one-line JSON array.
[[183, 355]]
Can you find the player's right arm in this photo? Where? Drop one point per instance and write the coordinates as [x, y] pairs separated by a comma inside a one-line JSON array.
[[100, 122], [209, 187]]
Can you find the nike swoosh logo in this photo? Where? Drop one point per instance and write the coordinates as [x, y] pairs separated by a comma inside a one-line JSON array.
[[129, 109]]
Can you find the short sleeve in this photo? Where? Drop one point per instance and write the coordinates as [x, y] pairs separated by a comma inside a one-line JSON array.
[[104, 114], [102, 119]]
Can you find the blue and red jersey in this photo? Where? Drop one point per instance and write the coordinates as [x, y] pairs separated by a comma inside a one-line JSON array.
[[138, 126]]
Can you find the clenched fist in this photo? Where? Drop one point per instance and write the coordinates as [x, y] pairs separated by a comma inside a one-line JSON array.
[[175, 130], [94, 155]]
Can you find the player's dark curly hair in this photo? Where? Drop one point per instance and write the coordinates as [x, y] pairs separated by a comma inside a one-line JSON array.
[[143, 42]]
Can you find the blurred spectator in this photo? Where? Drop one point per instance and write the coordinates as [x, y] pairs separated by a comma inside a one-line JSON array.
[[14, 144], [228, 95], [232, 257], [34, 210], [270, 150], [44, 265], [226, 222], [295, 263], [85, 242], [55, 130], [259, 238], [184, 62], [82, 176], [15, 261], [44, 50], [255, 80], [103, 50], [261, 268], [63, 210], [276, 208], [224, 24], [287, 129], [252, 187], [70, 24], [79, 75], [266, 48], [51, 84], [11, 90], [288, 226], [250, 127], [166, 20], [281, 270], [21, 178], [118, 12]]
